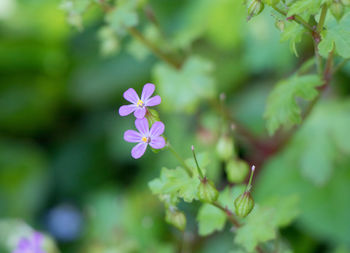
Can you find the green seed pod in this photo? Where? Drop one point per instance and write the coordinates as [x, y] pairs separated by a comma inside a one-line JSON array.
[[236, 171], [244, 204], [224, 148], [207, 191], [346, 2], [255, 8], [176, 218], [337, 9], [152, 116]]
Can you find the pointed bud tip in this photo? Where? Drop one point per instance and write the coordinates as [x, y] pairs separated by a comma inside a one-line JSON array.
[[253, 168], [192, 147]]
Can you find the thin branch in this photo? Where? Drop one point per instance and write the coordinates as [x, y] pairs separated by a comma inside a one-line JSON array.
[[229, 214], [322, 18], [153, 48], [225, 113], [296, 18], [180, 159], [327, 76]]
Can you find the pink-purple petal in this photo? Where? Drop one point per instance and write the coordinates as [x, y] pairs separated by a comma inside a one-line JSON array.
[[140, 112], [132, 136], [37, 238], [153, 101], [156, 129], [139, 150], [23, 244], [131, 96], [142, 126], [126, 109], [157, 142], [147, 91]]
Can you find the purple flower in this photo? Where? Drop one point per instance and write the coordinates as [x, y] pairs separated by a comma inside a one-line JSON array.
[[138, 105], [30, 245], [145, 136]]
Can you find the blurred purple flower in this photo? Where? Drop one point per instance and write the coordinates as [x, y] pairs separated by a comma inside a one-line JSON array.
[[138, 105], [30, 245], [145, 136]]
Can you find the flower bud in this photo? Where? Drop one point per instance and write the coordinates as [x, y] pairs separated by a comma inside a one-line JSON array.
[[152, 116], [236, 171], [255, 8], [337, 9], [244, 204], [224, 148], [176, 218], [207, 191]]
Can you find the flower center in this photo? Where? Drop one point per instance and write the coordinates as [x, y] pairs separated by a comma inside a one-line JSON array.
[[140, 103], [145, 139]]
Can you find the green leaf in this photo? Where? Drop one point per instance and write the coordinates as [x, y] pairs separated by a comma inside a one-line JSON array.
[[123, 17], [324, 208], [210, 219], [337, 34], [259, 227], [176, 183], [282, 108], [324, 137], [286, 209], [109, 41], [75, 9], [292, 32], [182, 90], [305, 7]]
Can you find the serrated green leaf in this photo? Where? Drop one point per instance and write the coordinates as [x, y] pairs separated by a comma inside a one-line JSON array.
[[336, 35], [210, 219], [177, 183], [286, 209], [305, 7], [324, 209], [324, 137], [293, 33], [259, 227], [262, 224], [182, 90], [122, 17], [282, 108]]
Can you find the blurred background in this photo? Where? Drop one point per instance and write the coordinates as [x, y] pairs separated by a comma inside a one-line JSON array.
[[66, 170]]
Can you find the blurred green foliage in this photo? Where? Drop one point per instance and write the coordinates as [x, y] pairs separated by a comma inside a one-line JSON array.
[[61, 140]]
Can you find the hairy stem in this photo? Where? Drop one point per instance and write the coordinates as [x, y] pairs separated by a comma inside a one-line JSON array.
[[225, 113], [198, 168], [296, 18], [229, 214], [322, 18], [180, 159]]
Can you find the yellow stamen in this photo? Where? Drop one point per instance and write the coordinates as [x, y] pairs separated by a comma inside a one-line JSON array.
[[140, 103], [144, 139]]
